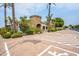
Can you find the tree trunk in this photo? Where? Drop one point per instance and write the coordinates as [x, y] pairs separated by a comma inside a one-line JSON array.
[[13, 17], [49, 9], [49, 17], [5, 14]]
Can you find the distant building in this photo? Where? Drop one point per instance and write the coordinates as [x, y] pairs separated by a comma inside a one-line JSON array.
[[35, 22]]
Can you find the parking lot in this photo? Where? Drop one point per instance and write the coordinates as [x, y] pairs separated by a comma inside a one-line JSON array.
[[62, 43], [2, 48]]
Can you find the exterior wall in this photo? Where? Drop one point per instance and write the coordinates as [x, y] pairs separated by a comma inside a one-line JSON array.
[[34, 21], [44, 27]]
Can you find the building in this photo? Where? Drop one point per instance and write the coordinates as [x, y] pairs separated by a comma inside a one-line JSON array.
[[35, 22]]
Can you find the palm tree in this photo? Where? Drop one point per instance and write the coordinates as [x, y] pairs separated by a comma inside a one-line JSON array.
[[13, 17], [13, 14], [5, 6], [5, 14]]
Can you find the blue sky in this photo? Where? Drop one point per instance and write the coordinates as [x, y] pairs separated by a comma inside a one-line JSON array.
[[68, 11]]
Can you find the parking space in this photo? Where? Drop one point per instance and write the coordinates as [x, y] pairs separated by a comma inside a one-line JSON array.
[[46, 44], [28, 47], [35, 47], [2, 48], [57, 49], [54, 51]]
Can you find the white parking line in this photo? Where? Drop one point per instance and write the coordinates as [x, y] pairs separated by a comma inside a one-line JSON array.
[[60, 54], [45, 50], [73, 45], [62, 48], [64, 43], [54, 53], [65, 50], [67, 45], [6, 48], [63, 54], [59, 48]]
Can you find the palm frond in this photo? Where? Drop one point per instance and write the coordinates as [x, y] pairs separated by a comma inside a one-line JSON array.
[[9, 5]]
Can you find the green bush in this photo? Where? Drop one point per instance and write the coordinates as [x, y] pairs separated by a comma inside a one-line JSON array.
[[53, 29], [7, 35], [20, 33], [60, 29], [29, 32], [3, 31], [37, 31], [11, 31], [58, 22], [23, 24], [16, 35], [8, 28], [32, 31]]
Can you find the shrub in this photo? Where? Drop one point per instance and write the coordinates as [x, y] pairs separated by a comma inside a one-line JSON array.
[[61, 28], [3, 31], [23, 24], [32, 31], [11, 31], [16, 35], [65, 26], [53, 29], [20, 33], [8, 28], [29, 32], [7, 35], [58, 22], [38, 31]]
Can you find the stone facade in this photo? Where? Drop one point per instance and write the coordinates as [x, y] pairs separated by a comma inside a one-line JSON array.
[[35, 22]]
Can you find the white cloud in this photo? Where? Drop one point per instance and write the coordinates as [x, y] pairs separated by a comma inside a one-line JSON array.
[[29, 9]]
